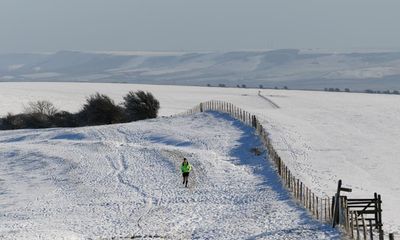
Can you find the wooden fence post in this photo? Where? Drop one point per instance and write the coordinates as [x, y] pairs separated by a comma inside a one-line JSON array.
[[364, 229], [351, 225], [330, 208], [391, 236], [380, 212], [279, 167], [357, 226], [313, 204], [321, 213], [381, 235], [346, 214], [371, 234], [302, 192], [308, 197]]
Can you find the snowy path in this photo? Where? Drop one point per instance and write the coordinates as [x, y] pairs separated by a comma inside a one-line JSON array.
[[124, 181]]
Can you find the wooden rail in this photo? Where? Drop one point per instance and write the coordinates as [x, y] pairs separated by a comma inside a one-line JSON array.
[[320, 207]]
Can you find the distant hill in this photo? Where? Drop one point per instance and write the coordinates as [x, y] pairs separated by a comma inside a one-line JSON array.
[[287, 67]]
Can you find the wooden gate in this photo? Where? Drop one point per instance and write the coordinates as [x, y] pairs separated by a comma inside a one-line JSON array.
[[360, 217]]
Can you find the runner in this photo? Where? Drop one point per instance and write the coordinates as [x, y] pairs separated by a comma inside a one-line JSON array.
[[185, 169]]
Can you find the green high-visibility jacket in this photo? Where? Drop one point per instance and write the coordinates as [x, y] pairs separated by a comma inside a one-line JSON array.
[[186, 168]]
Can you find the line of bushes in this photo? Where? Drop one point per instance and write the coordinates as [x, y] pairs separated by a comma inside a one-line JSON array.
[[99, 109]]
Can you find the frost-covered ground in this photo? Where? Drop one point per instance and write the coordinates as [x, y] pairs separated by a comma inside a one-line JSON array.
[[322, 136], [123, 181]]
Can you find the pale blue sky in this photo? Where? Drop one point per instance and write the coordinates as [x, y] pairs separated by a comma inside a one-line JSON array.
[[202, 25]]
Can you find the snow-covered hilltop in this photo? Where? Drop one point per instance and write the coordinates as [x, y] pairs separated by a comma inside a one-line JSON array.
[[293, 68], [322, 136], [124, 181]]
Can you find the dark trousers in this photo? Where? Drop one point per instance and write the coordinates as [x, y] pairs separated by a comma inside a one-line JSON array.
[[185, 176]]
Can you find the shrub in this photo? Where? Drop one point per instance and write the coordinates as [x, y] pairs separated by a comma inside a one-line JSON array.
[[100, 109], [21, 121], [10, 122], [140, 105], [64, 119], [369, 91], [36, 120]]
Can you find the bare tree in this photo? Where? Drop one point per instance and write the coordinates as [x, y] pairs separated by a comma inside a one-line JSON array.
[[42, 107]]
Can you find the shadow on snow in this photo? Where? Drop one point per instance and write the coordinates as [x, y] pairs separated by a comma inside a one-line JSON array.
[[264, 168]]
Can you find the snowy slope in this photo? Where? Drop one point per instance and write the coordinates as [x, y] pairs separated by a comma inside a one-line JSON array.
[[322, 136], [297, 69], [123, 180]]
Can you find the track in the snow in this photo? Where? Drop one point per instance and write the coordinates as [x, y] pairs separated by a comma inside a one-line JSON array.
[[273, 104]]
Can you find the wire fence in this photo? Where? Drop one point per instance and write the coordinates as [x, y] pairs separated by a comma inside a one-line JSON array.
[[320, 207]]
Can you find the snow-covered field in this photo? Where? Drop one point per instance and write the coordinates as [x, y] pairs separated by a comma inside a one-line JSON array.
[[123, 181], [322, 136], [297, 69]]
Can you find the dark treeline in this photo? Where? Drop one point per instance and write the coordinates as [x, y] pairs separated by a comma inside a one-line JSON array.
[[395, 92], [98, 109]]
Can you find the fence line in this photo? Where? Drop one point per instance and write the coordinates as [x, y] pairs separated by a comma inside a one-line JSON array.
[[317, 206], [320, 207]]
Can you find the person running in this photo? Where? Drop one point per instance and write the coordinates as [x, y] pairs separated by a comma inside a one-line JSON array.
[[185, 169]]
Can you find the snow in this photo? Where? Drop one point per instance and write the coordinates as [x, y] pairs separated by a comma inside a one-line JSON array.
[[322, 136], [365, 73], [123, 181], [297, 69]]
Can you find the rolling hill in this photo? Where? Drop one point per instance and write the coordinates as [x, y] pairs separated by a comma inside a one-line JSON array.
[[297, 69]]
